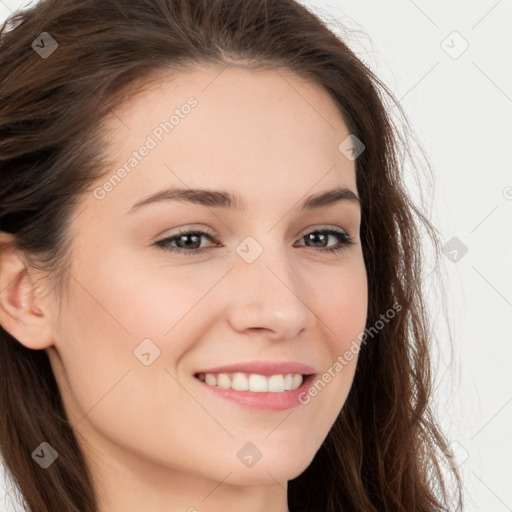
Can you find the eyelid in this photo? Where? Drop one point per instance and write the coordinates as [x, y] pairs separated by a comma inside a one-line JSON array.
[[320, 227], [185, 230]]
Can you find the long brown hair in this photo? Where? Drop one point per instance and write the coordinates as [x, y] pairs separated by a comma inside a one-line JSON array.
[[385, 451]]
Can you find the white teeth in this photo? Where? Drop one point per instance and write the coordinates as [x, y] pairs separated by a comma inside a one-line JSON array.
[[258, 383], [240, 382], [253, 382], [223, 381], [276, 383], [210, 379]]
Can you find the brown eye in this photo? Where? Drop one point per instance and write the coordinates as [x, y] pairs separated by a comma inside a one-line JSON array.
[[188, 242], [322, 237]]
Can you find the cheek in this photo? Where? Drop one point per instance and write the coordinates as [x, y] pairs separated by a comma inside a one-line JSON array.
[[142, 299], [114, 306], [342, 310], [342, 304], [108, 392]]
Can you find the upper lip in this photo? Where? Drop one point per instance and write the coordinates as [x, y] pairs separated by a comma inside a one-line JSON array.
[[263, 368]]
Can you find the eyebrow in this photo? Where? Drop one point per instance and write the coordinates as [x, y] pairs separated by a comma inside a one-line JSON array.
[[226, 199]]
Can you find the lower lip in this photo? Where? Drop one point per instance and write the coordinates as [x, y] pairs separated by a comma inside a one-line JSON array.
[[266, 401]]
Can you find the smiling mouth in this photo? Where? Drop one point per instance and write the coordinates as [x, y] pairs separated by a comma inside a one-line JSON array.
[[243, 381]]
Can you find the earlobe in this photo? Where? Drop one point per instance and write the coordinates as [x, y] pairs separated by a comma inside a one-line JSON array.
[[21, 314]]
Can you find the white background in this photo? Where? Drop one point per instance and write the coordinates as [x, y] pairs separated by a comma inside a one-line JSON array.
[[460, 109]]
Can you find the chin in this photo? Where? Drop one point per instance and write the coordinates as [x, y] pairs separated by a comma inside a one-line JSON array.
[[281, 467]]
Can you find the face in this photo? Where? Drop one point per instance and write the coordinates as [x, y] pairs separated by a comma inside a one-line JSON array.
[[151, 306]]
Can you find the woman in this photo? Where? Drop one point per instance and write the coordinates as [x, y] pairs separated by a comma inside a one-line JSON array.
[[210, 268]]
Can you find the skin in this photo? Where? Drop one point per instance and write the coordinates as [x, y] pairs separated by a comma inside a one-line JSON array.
[[155, 438]]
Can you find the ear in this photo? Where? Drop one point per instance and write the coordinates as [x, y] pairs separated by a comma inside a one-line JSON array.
[[23, 314]]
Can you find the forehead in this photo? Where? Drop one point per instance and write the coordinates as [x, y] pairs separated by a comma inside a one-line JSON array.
[[259, 132]]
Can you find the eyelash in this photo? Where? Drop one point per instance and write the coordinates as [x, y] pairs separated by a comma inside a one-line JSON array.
[[345, 241]]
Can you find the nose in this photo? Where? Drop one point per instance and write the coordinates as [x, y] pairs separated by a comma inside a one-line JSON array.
[[268, 296]]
